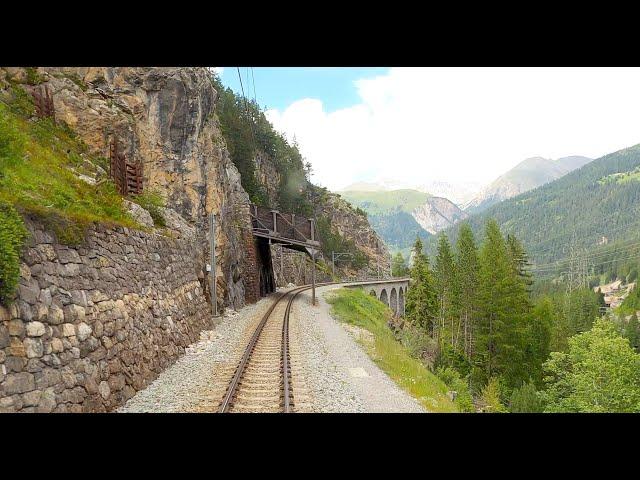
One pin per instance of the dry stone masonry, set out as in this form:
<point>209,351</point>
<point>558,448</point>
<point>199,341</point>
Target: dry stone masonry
<point>94,324</point>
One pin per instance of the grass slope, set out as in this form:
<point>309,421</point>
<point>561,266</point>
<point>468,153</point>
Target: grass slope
<point>355,307</point>
<point>36,158</point>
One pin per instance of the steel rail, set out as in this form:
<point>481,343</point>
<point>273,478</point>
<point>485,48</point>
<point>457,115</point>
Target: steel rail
<point>285,361</point>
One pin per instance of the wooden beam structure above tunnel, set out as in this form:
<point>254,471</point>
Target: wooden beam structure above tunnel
<point>288,229</point>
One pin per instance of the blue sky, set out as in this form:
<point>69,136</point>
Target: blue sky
<point>279,87</point>
<point>417,126</point>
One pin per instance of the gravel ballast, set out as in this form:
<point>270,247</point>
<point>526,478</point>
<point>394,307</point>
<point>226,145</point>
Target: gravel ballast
<point>189,385</point>
<point>336,373</point>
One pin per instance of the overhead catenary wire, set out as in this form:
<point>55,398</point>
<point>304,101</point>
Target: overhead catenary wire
<point>613,251</point>
<point>253,81</point>
<point>246,108</point>
<point>622,259</point>
<point>602,233</point>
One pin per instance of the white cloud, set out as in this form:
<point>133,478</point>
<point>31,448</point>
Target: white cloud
<point>465,124</point>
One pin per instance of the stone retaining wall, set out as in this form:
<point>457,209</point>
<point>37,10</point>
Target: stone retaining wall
<point>93,324</point>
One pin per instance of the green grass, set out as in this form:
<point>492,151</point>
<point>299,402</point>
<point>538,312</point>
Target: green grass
<point>622,177</point>
<point>36,177</point>
<point>355,307</point>
<point>377,203</point>
<point>36,158</point>
<point>153,202</point>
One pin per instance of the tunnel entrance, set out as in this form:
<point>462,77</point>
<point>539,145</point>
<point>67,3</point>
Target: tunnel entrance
<point>269,226</point>
<point>266,278</point>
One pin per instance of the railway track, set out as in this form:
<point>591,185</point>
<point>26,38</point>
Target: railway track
<point>262,380</point>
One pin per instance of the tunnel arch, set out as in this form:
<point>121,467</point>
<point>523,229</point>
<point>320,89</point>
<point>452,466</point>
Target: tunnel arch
<point>384,297</point>
<point>393,301</point>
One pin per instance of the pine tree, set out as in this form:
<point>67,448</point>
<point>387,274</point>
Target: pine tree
<point>538,337</point>
<point>467,286</point>
<point>421,297</point>
<point>445,293</point>
<point>399,266</point>
<point>502,317</point>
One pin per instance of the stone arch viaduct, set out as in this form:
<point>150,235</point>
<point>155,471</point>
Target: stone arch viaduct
<point>392,292</point>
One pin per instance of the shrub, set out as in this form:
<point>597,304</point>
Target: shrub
<point>452,378</point>
<point>526,400</point>
<point>419,343</point>
<point>491,396</point>
<point>153,202</point>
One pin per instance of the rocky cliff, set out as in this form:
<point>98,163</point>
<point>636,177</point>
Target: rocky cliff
<point>355,227</point>
<point>437,213</point>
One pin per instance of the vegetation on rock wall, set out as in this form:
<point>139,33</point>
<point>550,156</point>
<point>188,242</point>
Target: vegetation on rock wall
<point>37,163</point>
<point>332,241</point>
<point>12,236</point>
<point>153,202</point>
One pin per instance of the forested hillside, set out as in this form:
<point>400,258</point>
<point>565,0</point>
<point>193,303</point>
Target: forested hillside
<point>575,212</point>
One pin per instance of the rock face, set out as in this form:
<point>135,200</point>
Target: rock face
<point>437,213</point>
<point>94,324</point>
<point>353,226</point>
<point>164,118</point>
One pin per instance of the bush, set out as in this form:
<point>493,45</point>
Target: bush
<point>448,356</point>
<point>12,237</point>
<point>526,400</point>
<point>452,378</point>
<point>419,343</point>
<point>490,395</point>
<point>152,202</point>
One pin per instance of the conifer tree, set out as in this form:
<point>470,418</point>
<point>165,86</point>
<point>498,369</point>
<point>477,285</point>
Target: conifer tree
<point>399,266</point>
<point>445,293</point>
<point>502,310</point>
<point>632,331</point>
<point>467,286</point>
<point>421,298</point>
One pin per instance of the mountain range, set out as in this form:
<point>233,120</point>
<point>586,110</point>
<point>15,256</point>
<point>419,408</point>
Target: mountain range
<point>592,206</point>
<point>399,216</point>
<point>528,174</point>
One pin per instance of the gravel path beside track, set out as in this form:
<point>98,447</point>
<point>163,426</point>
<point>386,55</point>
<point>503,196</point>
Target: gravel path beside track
<point>339,373</point>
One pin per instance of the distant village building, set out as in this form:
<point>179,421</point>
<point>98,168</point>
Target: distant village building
<point>614,292</point>
<point>603,241</point>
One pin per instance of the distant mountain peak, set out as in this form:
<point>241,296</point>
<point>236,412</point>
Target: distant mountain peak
<point>526,175</point>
